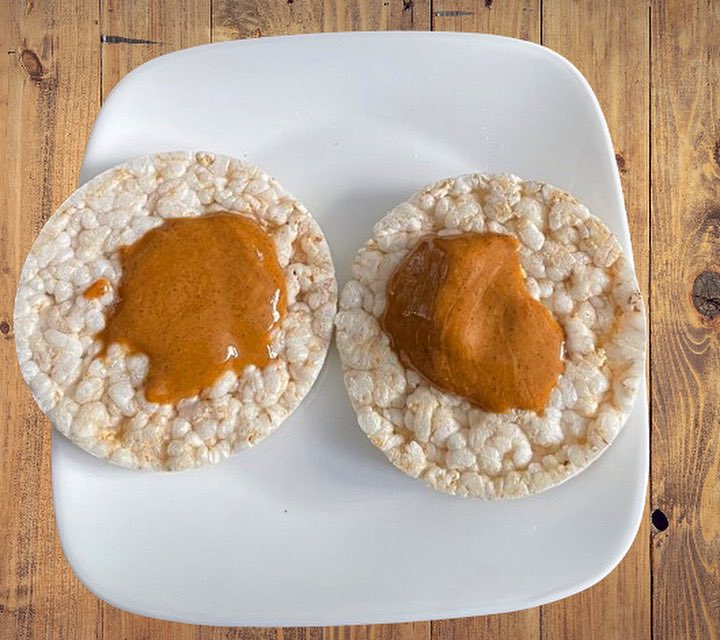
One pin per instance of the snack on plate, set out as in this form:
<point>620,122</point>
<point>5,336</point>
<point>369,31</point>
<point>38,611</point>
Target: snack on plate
<point>174,310</point>
<point>492,337</point>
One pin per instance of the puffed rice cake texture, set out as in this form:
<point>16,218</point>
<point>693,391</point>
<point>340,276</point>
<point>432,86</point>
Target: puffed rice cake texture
<point>575,267</point>
<point>99,402</point>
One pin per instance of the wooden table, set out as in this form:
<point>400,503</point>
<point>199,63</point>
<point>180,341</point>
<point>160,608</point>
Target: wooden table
<point>656,70</point>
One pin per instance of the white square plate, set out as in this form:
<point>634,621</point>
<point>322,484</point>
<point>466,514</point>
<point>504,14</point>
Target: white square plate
<point>314,526</point>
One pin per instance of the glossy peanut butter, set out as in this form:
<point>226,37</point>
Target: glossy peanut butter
<point>458,311</point>
<point>97,289</point>
<point>199,296</point>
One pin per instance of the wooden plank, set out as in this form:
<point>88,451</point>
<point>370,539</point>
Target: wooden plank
<point>144,32</point>
<point>565,28</point>
<point>685,360</point>
<point>134,32</point>
<point>254,18</point>
<point>619,606</point>
<point>49,93</point>
<point>519,625</point>
<point>519,19</point>
<point>410,631</point>
<point>623,91</point>
<point>247,19</point>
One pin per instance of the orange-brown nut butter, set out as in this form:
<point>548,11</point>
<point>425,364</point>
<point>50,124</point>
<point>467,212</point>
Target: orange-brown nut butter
<point>458,312</point>
<point>97,289</point>
<point>199,296</point>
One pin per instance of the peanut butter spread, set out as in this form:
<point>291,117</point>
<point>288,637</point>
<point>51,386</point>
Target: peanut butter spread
<point>458,312</point>
<point>97,289</point>
<point>199,296</point>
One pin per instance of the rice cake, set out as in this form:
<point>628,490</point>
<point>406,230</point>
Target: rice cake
<point>573,265</point>
<point>99,402</point>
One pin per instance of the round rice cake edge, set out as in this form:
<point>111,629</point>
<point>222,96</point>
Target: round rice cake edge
<point>99,403</point>
<point>575,266</point>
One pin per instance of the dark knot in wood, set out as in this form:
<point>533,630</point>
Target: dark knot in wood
<point>4,327</point>
<point>706,293</point>
<point>659,520</point>
<point>31,64</point>
<point>621,164</point>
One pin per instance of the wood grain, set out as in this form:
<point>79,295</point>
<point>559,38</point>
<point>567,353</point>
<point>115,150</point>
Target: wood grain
<point>254,18</point>
<point>603,610</point>
<point>144,32</point>
<point>49,97</point>
<point>519,20</point>
<point>134,32</point>
<point>655,68</point>
<point>685,360</point>
<point>619,606</point>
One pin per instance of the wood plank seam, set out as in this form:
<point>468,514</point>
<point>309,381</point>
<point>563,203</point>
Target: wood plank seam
<point>649,309</point>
